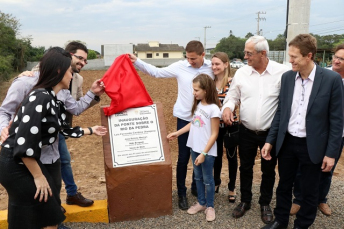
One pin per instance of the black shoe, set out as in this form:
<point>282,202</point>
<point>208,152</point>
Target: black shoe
<point>266,214</point>
<point>79,199</point>
<point>183,203</point>
<point>194,192</point>
<point>274,225</point>
<point>240,210</point>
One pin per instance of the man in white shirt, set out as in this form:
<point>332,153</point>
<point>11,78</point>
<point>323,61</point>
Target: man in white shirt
<point>184,71</point>
<point>256,88</point>
<point>306,131</point>
<point>326,177</point>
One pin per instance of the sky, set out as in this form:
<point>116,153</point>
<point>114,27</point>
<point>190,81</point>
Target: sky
<point>98,22</point>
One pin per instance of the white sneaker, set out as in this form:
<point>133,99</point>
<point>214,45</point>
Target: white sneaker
<point>196,208</point>
<point>210,214</point>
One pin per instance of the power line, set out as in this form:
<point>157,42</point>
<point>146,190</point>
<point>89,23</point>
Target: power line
<point>324,29</point>
<point>326,23</point>
<point>331,31</point>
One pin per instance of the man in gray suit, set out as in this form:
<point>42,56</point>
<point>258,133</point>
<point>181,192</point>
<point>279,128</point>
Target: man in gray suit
<point>306,130</point>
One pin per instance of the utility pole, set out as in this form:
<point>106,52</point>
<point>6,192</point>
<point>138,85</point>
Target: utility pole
<point>205,35</point>
<point>298,16</point>
<point>260,19</point>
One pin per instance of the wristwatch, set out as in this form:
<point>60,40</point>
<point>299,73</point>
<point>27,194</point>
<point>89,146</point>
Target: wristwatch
<point>204,153</point>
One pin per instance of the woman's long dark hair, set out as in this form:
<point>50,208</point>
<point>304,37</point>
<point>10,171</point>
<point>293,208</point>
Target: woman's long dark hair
<point>53,67</point>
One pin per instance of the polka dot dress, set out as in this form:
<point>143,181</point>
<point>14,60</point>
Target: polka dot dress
<point>37,124</point>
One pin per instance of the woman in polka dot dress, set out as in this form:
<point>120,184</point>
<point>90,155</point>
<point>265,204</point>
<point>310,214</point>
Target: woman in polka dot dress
<point>31,186</point>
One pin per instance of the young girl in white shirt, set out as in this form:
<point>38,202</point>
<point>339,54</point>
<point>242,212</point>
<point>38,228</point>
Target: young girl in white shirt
<point>203,131</point>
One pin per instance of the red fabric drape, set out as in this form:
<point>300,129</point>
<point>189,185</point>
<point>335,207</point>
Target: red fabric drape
<point>124,86</point>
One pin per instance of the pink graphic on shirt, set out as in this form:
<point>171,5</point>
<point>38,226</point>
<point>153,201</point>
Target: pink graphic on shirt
<point>197,121</point>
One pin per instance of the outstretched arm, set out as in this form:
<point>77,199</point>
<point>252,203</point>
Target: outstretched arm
<point>175,134</point>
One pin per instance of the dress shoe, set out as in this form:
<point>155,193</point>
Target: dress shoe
<point>325,209</point>
<point>267,215</point>
<point>194,192</point>
<point>294,209</point>
<point>183,203</point>
<point>275,225</point>
<point>78,199</point>
<point>241,209</point>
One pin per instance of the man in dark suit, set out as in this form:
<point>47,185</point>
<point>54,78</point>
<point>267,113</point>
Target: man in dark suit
<point>306,130</point>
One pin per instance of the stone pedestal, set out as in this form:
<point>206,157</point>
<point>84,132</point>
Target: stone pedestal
<point>138,191</point>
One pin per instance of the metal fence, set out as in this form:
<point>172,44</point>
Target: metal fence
<point>277,56</point>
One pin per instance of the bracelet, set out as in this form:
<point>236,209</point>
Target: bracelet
<point>204,153</point>
<point>91,131</point>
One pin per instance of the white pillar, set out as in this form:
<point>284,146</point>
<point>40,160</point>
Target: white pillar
<point>298,21</point>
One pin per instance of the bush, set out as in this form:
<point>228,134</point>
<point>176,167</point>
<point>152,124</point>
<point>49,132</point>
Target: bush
<point>91,54</point>
<point>6,67</point>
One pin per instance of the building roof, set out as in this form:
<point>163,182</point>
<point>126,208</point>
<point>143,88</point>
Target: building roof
<point>161,48</point>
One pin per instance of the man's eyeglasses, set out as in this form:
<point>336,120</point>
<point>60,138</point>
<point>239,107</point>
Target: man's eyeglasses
<point>249,53</point>
<point>81,58</point>
<point>341,59</point>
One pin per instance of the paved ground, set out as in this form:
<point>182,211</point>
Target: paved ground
<point>180,219</point>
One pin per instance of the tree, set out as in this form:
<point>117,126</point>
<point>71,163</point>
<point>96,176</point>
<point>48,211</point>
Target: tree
<point>14,52</point>
<point>9,27</point>
<point>5,67</point>
<point>248,35</point>
<point>231,45</point>
<point>10,21</point>
<point>91,54</point>
<point>278,44</point>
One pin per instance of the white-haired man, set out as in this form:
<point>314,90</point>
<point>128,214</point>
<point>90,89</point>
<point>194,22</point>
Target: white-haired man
<point>256,88</point>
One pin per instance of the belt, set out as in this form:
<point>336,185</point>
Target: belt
<point>256,132</point>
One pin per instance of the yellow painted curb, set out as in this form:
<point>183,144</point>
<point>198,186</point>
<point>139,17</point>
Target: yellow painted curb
<point>3,219</point>
<point>97,213</point>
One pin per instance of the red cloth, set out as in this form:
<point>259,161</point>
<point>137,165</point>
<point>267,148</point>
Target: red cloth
<point>124,86</point>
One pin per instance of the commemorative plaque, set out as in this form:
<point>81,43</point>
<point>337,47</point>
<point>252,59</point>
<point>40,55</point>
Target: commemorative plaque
<point>138,168</point>
<point>135,137</point>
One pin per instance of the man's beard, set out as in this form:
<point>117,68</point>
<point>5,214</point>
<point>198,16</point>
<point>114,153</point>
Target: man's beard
<point>74,68</point>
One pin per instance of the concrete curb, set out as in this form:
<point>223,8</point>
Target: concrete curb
<point>97,213</point>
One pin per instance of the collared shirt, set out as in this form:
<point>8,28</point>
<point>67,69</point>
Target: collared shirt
<point>257,94</point>
<point>19,89</point>
<point>302,91</point>
<point>184,73</point>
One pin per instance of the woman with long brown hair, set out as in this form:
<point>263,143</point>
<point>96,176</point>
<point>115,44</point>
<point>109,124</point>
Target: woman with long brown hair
<point>221,69</point>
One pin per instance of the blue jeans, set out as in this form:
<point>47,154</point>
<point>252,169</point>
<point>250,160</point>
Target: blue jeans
<point>183,160</point>
<point>204,180</point>
<point>66,167</point>
<point>324,186</point>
